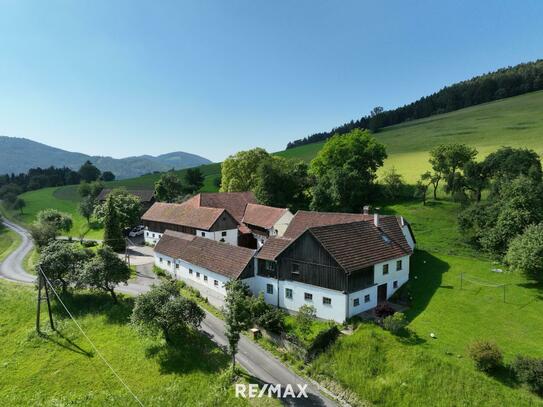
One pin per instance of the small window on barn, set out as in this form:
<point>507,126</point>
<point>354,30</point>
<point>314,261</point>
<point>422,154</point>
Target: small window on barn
<point>395,284</point>
<point>385,269</point>
<point>223,233</point>
<point>288,293</point>
<point>197,274</point>
<point>356,302</point>
<point>295,272</point>
<point>269,288</point>
<point>169,263</point>
<point>153,235</point>
<point>216,283</point>
<point>270,266</point>
<point>398,265</point>
<point>326,301</point>
<point>308,296</point>
<point>190,271</point>
<point>205,278</point>
<point>203,234</point>
<point>160,259</point>
<point>367,298</point>
<point>176,266</point>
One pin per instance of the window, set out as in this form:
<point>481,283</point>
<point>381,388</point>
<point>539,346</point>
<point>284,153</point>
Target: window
<point>153,235</point>
<point>385,269</point>
<point>147,233</point>
<point>160,259</point>
<point>269,288</point>
<point>190,271</point>
<point>223,233</point>
<point>367,298</point>
<point>288,293</point>
<point>176,266</point>
<point>215,283</point>
<point>169,263</point>
<point>326,301</point>
<point>270,266</point>
<point>295,273</point>
<point>395,284</point>
<point>398,265</point>
<point>222,240</point>
<point>308,297</point>
<point>203,234</point>
<point>356,302</point>
<point>205,278</point>
<point>197,274</point>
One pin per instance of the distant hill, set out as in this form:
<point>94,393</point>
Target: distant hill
<point>19,154</point>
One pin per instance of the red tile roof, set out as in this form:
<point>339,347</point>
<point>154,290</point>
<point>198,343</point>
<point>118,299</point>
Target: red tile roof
<point>360,244</point>
<point>233,202</point>
<point>184,215</point>
<point>273,247</point>
<point>304,220</point>
<point>221,258</point>
<point>262,215</point>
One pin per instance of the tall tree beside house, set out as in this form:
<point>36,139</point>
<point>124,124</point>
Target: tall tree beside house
<point>104,272</point>
<point>89,172</point>
<point>194,180</point>
<point>345,171</point>
<point>127,205</point>
<point>163,309</point>
<point>113,236</point>
<point>237,315</point>
<point>239,171</point>
<point>283,183</point>
<point>169,188</point>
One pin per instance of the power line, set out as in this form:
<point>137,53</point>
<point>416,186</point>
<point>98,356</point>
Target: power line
<point>88,339</point>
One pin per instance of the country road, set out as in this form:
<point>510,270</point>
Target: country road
<point>259,363</point>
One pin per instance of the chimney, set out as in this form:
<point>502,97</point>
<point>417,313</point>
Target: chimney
<point>402,221</point>
<point>366,209</point>
<point>376,217</point>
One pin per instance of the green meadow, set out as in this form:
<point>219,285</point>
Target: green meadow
<point>59,369</point>
<point>9,240</point>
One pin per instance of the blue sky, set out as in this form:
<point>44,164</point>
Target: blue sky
<point>126,78</point>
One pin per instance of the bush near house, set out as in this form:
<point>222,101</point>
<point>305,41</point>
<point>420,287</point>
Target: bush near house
<point>486,355</point>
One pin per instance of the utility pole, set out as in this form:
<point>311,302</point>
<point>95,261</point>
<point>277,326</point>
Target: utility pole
<point>42,284</point>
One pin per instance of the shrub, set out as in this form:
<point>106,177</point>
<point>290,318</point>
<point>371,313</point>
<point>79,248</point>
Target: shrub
<point>88,243</point>
<point>530,372</point>
<point>159,272</point>
<point>525,253</point>
<point>273,319</point>
<point>395,323</point>
<point>323,340</point>
<point>486,355</point>
<point>383,310</point>
<point>304,318</point>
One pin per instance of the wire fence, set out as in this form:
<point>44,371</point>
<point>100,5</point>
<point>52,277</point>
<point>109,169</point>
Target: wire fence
<point>465,278</point>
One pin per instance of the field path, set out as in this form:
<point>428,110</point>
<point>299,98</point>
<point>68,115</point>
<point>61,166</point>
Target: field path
<point>263,366</point>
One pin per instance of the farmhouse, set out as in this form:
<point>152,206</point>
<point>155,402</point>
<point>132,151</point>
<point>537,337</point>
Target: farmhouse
<point>341,263</point>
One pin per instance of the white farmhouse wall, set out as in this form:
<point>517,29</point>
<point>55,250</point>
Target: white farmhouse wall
<point>151,237</point>
<point>408,236</point>
<point>164,262</point>
<point>401,276</point>
<point>367,299</point>
<point>229,236</point>
<point>282,224</point>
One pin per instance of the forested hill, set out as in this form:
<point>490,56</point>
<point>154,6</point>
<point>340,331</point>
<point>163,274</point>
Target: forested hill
<point>503,83</point>
<point>18,155</point>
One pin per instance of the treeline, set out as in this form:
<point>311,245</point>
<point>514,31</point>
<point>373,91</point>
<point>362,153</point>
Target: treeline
<point>503,83</point>
<point>37,178</point>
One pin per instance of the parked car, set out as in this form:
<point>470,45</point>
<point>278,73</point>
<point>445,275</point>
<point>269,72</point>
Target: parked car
<point>137,231</point>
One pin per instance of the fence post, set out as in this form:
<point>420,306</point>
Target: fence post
<point>461,280</point>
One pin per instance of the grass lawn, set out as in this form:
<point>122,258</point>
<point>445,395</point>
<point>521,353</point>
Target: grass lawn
<point>9,240</point>
<point>62,369</point>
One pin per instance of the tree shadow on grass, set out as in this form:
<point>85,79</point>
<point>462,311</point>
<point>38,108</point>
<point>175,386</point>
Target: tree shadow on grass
<point>88,303</point>
<point>189,352</point>
<point>425,277</point>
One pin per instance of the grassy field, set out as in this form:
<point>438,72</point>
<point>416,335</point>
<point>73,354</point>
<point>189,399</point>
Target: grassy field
<point>9,240</point>
<point>437,371</point>
<point>62,369</point>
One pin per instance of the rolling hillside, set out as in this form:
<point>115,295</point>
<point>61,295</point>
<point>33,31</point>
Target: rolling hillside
<point>18,155</point>
<point>516,122</point>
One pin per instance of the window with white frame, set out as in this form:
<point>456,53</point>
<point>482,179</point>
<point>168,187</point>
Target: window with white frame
<point>385,269</point>
<point>269,288</point>
<point>395,284</point>
<point>223,233</point>
<point>367,298</point>
<point>308,296</point>
<point>190,271</point>
<point>356,302</point>
<point>326,301</point>
<point>160,259</point>
<point>203,234</point>
<point>398,265</point>
<point>216,283</point>
<point>205,277</point>
<point>197,274</point>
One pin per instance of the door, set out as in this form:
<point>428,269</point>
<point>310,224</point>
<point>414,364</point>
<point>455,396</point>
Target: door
<point>382,293</point>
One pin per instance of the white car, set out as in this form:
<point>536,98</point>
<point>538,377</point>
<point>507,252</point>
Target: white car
<point>137,231</point>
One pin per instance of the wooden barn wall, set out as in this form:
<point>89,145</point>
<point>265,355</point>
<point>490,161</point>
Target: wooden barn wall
<point>225,222</point>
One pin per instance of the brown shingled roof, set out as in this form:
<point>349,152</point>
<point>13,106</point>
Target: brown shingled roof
<point>304,220</point>
<point>144,195</point>
<point>358,245</point>
<point>233,202</point>
<point>262,215</point>
<point>221,258</point>
<point>184,215</point>
<point>273,247</point>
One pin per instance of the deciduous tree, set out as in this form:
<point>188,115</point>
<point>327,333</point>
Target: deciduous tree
<point>168,188</point>
<point>237,315</point>
<point>239,171</point>
<point>89,172</point>
<point>525,252</point>
<point>113,235</point>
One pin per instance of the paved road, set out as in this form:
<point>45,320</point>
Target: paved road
<point>263,366</point>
